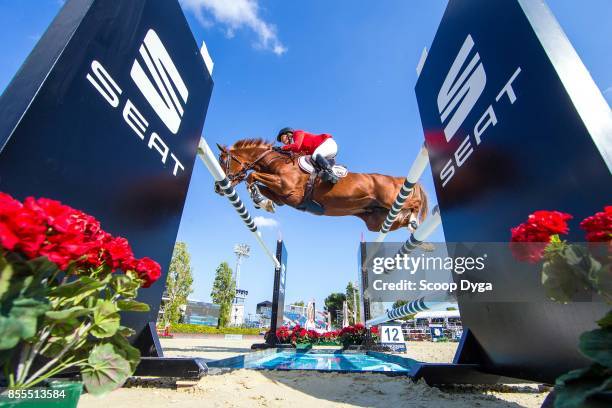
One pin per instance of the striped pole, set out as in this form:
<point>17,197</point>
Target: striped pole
<point>416,238</point>
<point>419,305</point>
<point>415,172</point>
<point>422,232</point>
<point>209,159</point>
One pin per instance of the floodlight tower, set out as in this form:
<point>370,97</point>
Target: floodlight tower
<point>242,251</point>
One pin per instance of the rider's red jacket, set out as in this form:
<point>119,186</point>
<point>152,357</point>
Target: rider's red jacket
<point>304,142</point>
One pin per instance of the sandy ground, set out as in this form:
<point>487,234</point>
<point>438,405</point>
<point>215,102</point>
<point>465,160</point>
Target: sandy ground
<point>249,388</point>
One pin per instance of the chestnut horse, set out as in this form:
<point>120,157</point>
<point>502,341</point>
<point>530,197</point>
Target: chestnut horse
<point>279,178</point>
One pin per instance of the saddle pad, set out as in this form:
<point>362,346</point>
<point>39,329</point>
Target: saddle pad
<point>305,164</point>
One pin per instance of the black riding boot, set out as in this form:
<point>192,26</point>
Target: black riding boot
<point>327,174</point>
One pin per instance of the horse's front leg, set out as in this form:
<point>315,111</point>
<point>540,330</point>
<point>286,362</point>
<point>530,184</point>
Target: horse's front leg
<point>255,191</point>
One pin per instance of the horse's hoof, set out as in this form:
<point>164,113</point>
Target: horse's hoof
<point>268,205</point>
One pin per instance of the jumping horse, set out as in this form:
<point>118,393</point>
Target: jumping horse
<point>277,175</point>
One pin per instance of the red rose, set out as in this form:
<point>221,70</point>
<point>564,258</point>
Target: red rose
<point>598,226</point>
<point>147,269</point>
<point>30,229</point>
<point>8,239</point>
<point>528,240</point>
<point>8,204</point>
<point>552,222</point>
<point>374,329</point>
<point>118,252</point>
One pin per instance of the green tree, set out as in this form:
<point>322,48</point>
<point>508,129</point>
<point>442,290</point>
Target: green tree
<point>352,299</point>
<point>223,292</point>
<point>333,303</point>
<point>178,283</point>
<point>400,303</point>
<point>299,303</point>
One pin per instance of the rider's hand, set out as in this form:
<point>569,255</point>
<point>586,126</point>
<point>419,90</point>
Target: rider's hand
<point>277,149</point>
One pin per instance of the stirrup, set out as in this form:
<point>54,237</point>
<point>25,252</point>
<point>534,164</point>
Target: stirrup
<point>329,177</point>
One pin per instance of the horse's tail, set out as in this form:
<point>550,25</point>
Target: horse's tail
<point>418,203</point>
<point>421,195</point>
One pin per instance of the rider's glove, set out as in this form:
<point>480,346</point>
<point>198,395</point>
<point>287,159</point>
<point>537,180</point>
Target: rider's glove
<point>277,149</point>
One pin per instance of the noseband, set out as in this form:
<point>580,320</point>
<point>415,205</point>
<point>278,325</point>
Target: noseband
<point>245,167</point>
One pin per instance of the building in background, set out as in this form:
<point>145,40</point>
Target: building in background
<point>204,313</point>
<point>263,312</point>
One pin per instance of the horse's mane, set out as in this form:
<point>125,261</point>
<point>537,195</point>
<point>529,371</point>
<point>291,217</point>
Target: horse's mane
<point>247,143</point>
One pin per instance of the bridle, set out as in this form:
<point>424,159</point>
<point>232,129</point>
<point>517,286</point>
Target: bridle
<point>245,167</point>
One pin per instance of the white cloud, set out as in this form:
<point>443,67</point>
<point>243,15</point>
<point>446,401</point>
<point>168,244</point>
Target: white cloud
<point>264,222</point>
<point>236,14</point>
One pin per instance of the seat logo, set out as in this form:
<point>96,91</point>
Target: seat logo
<point>461,89</point>
<point>161,84</point>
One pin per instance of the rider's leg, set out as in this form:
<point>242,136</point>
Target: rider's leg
<point>321,156</point>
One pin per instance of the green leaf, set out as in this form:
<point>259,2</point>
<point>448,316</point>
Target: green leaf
<point>106,370</point>
<point>65,328</point>
<point>6,273</point>
<point>78,289</point>
<point>126,331</point>
<point>132,306</point>
<point>126,350</point>
<point>606,321</point>
<point>70,313</point>
<point>574,389</point>
<point>106,319</point>
<point>125,285</point>
<point>597,345</point>
<point>27,311</point>
<point>11,332</point>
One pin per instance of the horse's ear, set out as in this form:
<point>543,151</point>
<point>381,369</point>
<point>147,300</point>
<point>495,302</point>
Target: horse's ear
<point>221,148</point>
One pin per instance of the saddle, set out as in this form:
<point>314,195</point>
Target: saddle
<point>307,165</point>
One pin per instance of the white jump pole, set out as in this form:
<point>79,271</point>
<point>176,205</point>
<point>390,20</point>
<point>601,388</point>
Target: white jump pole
<point>209,159</point>
<point>409,308</point>
<point>414,174</point>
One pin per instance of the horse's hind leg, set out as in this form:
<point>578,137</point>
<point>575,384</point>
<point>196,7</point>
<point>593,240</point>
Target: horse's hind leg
<point>373,218</point>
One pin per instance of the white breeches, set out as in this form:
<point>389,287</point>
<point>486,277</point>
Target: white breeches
<point>327,149</point>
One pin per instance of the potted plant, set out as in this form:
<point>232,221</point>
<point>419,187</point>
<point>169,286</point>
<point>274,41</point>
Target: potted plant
<point>355,335</point>
<point>571,272</point>
<point>302,338</point>
<point>63,283</point>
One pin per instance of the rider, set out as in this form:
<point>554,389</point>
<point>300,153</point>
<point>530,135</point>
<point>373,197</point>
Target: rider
<point>322,149</point>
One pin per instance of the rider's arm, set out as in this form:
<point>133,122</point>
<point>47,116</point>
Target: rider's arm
<point>296,146</point>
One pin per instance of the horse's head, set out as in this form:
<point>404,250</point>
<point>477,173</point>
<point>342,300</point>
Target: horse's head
<point>238,159</point>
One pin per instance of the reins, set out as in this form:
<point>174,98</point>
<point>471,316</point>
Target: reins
<point>245,167</point>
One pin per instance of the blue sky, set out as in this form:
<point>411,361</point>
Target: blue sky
<point>343,67</point>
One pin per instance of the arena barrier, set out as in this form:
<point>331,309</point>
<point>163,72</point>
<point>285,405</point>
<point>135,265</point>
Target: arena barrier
<point>212,164</point>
